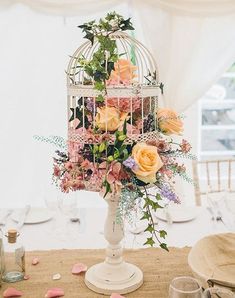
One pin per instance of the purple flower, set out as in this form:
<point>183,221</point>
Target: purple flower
<point>130,163</point>
<point>169,194</point>
<point>90,104</point>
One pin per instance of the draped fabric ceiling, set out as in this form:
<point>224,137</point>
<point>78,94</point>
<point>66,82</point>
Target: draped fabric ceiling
<point>193,41</point>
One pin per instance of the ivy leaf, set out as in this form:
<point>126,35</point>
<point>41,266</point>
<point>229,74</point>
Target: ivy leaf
<point>145,216</point>
<point>108,188</point>
<point>158,197</point>
<point>90,36</point>
<point>150,241</point>
<point>99,98</point>
<point>162,234</point>
<point>110,67</point>
<point>99,86</point>
<point>149,229</point>
<point>72,116</point>
<point>164,246</point>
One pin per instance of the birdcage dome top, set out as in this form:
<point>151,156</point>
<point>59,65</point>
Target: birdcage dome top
<point>133,57</point>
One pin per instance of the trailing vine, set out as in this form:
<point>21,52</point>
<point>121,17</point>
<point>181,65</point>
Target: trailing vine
<point>102,62</point>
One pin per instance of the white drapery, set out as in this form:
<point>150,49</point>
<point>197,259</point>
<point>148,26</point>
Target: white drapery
<point>80,7</point>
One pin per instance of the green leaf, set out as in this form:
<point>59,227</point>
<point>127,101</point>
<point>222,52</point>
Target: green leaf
<point>99,98</point>
<point>110,158</point>
<point>149,229</point>
<point>163,234</point>
<point>102,147</point>
<point>99,86</point>
<point>150,241</point>
<point>158,197</point>
<point>121,138</point>
<point>164,246</point>
<point>145,216</point>
<point>116,153</point>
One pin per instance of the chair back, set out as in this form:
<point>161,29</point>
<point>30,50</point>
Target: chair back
<point>213,176</point>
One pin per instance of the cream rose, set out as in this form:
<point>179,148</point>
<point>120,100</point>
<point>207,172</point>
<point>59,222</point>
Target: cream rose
<point>109,118</point>
<point>148,162</point>
<point>169,122</point>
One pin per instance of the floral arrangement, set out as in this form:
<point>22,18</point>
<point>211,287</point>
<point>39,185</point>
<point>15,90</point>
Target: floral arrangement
<point>105,159</point>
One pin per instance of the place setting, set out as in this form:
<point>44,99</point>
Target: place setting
<point>137,202</point>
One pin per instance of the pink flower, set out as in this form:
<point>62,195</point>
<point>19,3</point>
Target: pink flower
<point>185,146</point>
<point>113,172</point>
<point>124,104</point>
<point>68,166</point>
<point>132,129</point>
<point>87,165</point>
<point>64,186</point>
<point>56,171</point>
<point>76,184</point>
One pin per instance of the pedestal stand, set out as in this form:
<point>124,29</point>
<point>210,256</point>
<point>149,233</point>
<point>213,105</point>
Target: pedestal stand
<point>114,275</point>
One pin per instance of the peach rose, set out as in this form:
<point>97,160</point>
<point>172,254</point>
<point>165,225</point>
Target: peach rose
<point>169,122</point>
<point>148,162</point>
<point>123,71</point>
<point>109,118</point>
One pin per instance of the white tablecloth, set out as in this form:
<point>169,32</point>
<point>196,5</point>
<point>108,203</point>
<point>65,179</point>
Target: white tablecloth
<point>60,233</point>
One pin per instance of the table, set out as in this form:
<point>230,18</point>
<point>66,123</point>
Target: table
<point>159,268</point>
<point>58,235</point>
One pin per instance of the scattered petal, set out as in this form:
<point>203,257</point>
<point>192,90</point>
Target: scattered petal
<point>56,276</point>
<point>54,293</point>
<point>116,295</point>
<point>26,277</point>
<point>12,292</point>
<point>35,261</point>
<point>78,268</point>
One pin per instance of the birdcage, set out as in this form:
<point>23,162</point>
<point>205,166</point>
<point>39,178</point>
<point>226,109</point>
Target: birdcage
<point>131,95</point>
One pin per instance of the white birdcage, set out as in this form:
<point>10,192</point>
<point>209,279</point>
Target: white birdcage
<point>138,96</point>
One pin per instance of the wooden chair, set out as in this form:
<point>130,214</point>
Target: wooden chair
<point>219,176</point>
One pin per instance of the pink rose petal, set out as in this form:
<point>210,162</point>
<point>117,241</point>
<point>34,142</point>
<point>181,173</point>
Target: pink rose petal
<point>12,292</point>
<point>54,293</point>
<point>35,261</point>
<point>115,295</point>
<point>26,277</point>
<point>78,268</point>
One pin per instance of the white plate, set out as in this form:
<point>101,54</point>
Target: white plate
<point>177,213</point>
<point>35,215</point>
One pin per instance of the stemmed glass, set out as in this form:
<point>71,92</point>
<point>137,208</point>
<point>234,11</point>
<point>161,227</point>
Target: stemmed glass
<point>185,287</point>
<point>69,213</point>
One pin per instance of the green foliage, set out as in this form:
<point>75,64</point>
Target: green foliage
<point>101,65</point>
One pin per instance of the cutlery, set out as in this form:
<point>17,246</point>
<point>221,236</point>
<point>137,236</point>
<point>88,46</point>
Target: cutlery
<point>23,216</point>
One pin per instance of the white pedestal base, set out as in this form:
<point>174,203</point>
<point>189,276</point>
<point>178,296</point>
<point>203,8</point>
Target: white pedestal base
<point>120,278</point>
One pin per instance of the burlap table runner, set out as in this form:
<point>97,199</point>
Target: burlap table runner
<point>159,269</point>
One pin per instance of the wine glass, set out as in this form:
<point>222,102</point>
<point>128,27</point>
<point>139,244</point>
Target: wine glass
<point>218,292</point>
<point>69,213</point>
<point>185,287</point>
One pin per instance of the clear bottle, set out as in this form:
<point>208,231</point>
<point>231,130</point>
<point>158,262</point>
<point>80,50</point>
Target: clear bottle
<point>14,259</point>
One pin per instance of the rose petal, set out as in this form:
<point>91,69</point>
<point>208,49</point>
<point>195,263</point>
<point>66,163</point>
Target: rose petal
<point>54,293</point>
<point>12,292</point>
<point>115,295</point>
<point>78,268</point>
<point>26,277</point>
<point>35,261</point>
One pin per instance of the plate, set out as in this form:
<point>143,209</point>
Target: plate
<point>212,260</point>
<point>177,213</point>
<point>35,215</point>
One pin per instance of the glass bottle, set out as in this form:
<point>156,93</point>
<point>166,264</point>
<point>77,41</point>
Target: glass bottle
<point>14,259</point>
